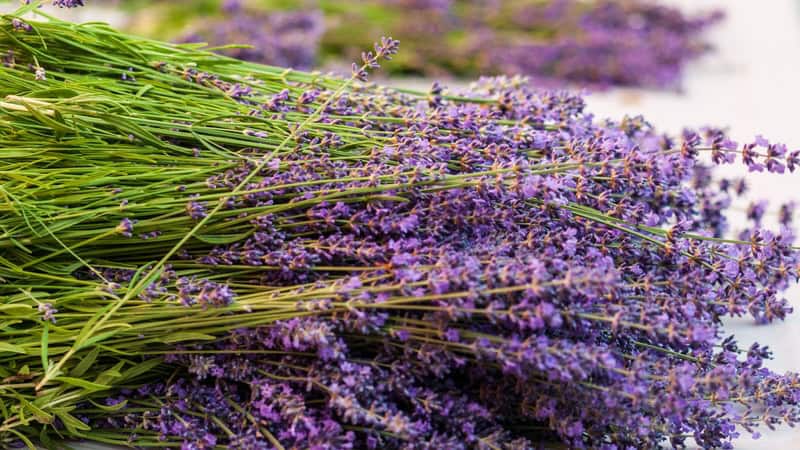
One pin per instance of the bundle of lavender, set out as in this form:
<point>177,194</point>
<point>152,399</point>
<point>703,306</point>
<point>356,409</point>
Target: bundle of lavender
<point>597,43</point>
<point>200,252</point>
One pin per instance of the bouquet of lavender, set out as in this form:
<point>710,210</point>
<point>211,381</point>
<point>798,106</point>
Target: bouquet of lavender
<point>599,43</point>
<point>200,252</point>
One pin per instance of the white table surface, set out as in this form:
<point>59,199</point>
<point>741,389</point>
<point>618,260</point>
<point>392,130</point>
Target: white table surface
<point>750,84</point>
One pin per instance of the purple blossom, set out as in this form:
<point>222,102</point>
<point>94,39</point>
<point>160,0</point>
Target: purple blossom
<point>40,74</point>
<point>20,25</point>
<point>68,3</point>
<point>125,227</point>
<point>203,292</point>
<point>196,210</point>
<point>48,312</point>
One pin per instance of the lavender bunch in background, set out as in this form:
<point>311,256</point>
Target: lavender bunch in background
<point>607,43</point>
<point>281,38</point>
<point>598,43</point>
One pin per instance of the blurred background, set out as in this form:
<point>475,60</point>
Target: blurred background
<point>746,83</point>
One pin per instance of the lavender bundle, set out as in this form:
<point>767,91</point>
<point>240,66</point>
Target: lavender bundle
<point>200,252</point>
<point>282,38</point>
<point>597,43</point>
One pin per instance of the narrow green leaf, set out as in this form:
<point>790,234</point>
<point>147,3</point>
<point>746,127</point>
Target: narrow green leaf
<point>26,8</point>
<point>132,128</point>
<point>19,245</point>
<point>110,374</point>
<point>15,309</point>
<point>388,198</point>
<point>87,328</point>
<point>45,343</point>
<point>186,336</point>
<point>8,324</point>
<point>86,363</point>
<point>23,438</point>
<point>141,368</point>
<point>78,382</point>
<point>55,93</point>
<point>57,126</point>
<point>72,424</point>
<point>102,336</point>
<point>37,412</point>
<point>221,239</point>
<point>6,347</point>
<point>143,90</point>
<point>44,439</point>
<point>111,408</point>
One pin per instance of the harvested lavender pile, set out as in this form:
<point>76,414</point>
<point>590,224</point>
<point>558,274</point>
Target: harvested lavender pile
<point>283,38</point>
<point>597,43</point>
<point>200,252</point>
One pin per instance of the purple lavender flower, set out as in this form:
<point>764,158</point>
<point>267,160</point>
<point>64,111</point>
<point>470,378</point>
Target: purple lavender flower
<point>125,227</point>
<point>196,210</point>
<point>20,25</point>
<point>68,3</point>
<point>48,312</point>
<point>40,74</point>
<point>203,292</point>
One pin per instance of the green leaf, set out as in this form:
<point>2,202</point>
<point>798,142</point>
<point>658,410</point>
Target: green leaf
<point>12,154</point>
<point>55,93</point>
<point>23,438</point>
<point>388,198</point>
<point>141,368</point>
<point>5,347</point>
<point>86,363</point>
<point>101,337</point>
<point>20,245</point>
<point>45,340</point>
<point>44,439</point>
<point>84,340</point>
<point>57,126</point>
<point>88,385</point>
<point>143,90</point>
<point>129,127</point>
<point>186,336</point>
<point>112,408</point>
<point>15,309</point>
<point>87,327</point>
<point>72,424</point>
<point>25,9</point>
<point>6,324</point>
<point>222,238</point>
<point>37,412</point>
<point>110,374</point>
